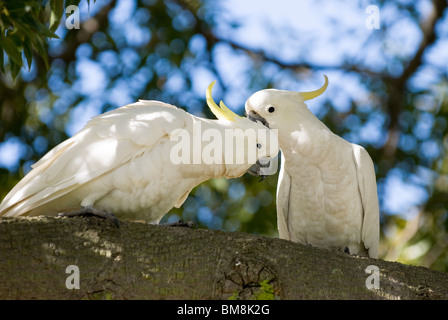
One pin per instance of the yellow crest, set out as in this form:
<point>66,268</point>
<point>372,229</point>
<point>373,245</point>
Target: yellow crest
<point>221,112</point>
<point>316,93</point>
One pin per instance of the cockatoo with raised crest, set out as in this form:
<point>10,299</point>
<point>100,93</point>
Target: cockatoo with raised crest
<point>327,193</point>
<point>138,162</point>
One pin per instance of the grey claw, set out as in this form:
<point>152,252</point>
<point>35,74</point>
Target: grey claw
<point>181,223</point>
<point>257,168</point>
<point>91,211</point>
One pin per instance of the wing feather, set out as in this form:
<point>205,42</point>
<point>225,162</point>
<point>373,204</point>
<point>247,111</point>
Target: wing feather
<point>105,143</point>
<point>283,198</point>
<point>369,197</point>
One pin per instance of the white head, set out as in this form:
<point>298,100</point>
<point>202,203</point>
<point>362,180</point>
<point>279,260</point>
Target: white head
<point>259,142</point>
<point>274,108</point>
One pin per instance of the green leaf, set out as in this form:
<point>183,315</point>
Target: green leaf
<point>28,53</point>
<point>25,31</point>
<point>11,50</point>
<point>2,69</point>
<point>72,2</point>
<point>42,29</point>
<point>15,69</point>
<point>57,10</point>
<point>40,46</point>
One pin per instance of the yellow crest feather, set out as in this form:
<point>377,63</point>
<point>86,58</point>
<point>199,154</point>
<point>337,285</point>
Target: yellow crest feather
<point>313,94</point>
<point>221,112</point>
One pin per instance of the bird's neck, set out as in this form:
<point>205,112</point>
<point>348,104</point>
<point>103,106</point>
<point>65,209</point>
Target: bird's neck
<point>214,151</point>
<point>305,136</point>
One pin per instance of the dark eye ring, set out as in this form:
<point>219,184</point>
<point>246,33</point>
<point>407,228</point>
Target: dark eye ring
<point>258,145</point>
<point>271,109</point>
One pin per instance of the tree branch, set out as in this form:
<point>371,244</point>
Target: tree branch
<point>141,261</point>
<point>397,86</point>
<point>298,67</point>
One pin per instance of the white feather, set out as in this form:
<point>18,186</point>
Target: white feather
<point>119,163</point>
<point>283,192</point>
<point>326,193</point>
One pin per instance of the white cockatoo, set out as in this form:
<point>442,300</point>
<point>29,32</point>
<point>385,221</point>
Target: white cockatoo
<point>138,162</point>
<point>326,194</point>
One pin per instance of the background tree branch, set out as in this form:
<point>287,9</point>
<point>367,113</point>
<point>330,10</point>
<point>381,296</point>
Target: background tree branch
<point>396,98</point>
<point>141,261</point>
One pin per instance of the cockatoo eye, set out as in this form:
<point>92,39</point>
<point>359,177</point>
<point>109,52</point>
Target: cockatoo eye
<point>259,145</point>
<point>270,109</point>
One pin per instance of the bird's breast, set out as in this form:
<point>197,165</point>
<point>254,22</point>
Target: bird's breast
<point>325,206</point>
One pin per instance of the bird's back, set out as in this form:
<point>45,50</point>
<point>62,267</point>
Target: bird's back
<point>107,142</point>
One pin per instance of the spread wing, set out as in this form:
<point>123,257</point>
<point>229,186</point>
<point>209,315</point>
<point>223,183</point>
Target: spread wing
<point>369,198</point>
<point>105,143</point>
<point>283,196</point>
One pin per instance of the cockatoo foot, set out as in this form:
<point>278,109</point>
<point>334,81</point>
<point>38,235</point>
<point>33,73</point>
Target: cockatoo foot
<point>257,168</point>
<point>181,223</point>
<point>91,211</point>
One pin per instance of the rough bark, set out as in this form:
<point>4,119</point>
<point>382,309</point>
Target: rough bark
<point>141,261</point>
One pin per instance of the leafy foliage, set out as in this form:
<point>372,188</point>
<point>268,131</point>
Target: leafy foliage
<point>25,26</point>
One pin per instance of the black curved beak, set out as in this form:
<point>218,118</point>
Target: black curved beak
<point>253,116</point>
